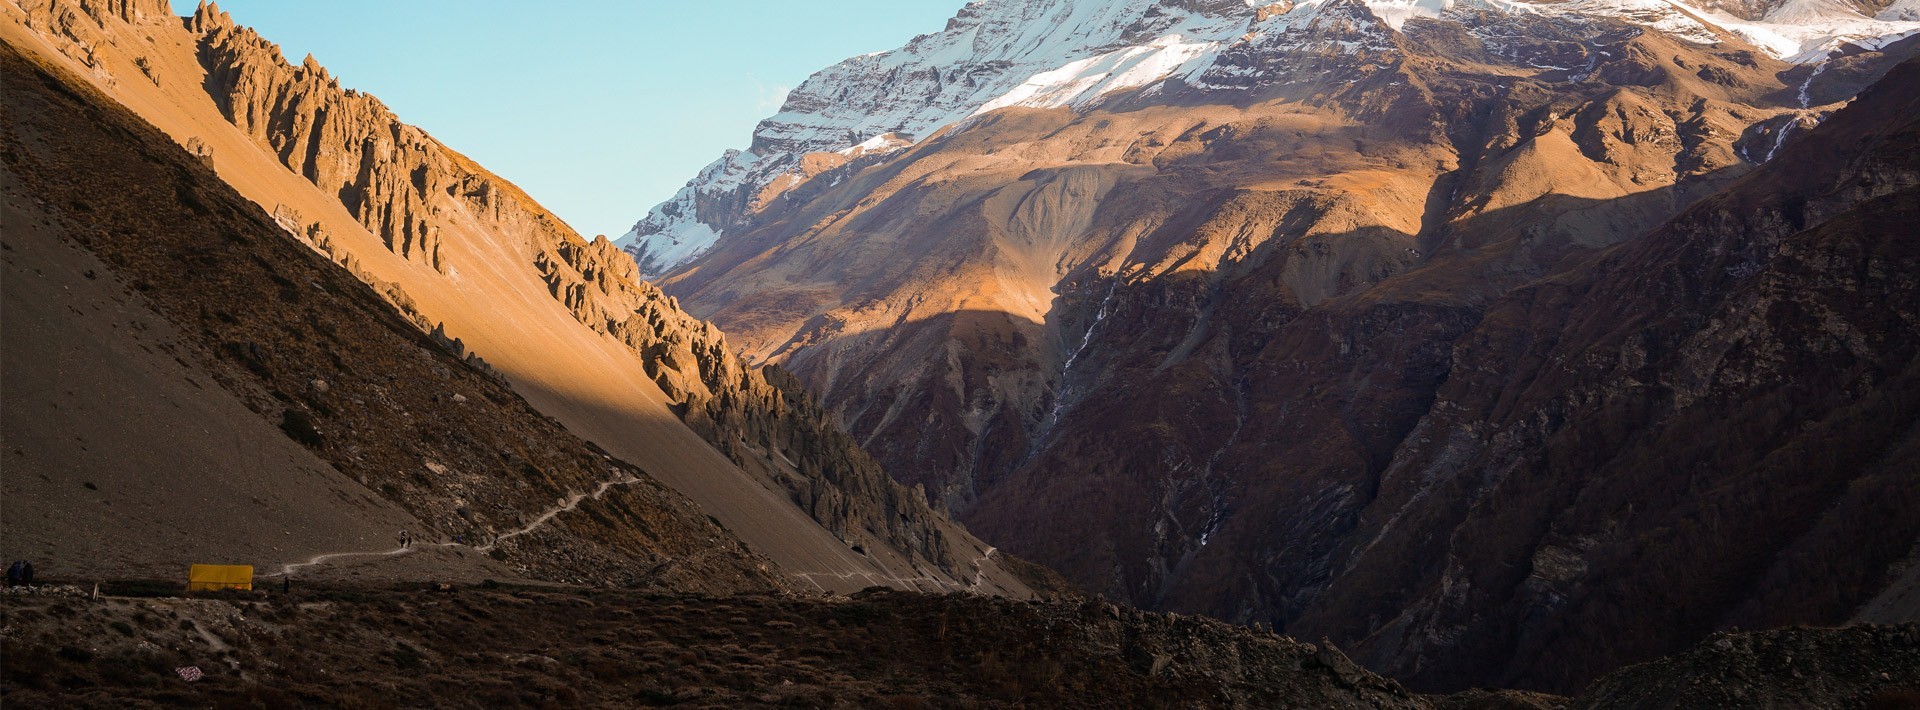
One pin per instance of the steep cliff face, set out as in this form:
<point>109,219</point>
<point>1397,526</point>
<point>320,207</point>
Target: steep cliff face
<point>391,176</point>
<point>464,253</point>
<point>1171,340</point>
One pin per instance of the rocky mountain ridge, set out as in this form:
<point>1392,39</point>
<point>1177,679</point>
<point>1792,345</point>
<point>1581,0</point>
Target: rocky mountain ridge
<point>1054,53</point>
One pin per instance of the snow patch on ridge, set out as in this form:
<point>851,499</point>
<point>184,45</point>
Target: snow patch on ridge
<point>1396,12</point>
<point>992,50</point>
<point>1080,82</point>
<point>1185,47</point>
<point>1804,31</point>
<point>883,143</point>
<point>672,233</point>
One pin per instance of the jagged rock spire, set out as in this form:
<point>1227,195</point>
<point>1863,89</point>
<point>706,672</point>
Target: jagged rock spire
<point>208,16</point>
<point>312,66</point>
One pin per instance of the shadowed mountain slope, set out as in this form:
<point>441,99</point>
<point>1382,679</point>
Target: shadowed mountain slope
<point>1710,425</point>
<point>1191,344</point>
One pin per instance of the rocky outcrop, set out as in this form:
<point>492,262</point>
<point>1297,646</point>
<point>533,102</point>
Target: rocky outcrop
<point>133,12</point>
<point>76,26</point>
<point>393,177</point>
<point>760,417</point>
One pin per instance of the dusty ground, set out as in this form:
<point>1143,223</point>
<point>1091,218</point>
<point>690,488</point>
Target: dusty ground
<point>479,646</point>
<point>1874,666</point>
<point>490,646</point>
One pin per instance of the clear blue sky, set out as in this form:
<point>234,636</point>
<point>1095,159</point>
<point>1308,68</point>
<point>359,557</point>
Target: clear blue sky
<point>598,108</point>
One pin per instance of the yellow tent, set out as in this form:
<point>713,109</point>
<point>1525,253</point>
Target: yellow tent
<point>209,578</point>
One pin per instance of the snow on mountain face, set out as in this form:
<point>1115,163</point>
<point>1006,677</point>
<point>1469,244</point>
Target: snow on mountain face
<point>995,52</point>
<point>1000,52</point>
<point>1071,53</point>
<point>673,233</point>
<point>1802,31</point>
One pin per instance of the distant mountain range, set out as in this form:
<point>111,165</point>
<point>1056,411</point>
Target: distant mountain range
<point>1055,53</point>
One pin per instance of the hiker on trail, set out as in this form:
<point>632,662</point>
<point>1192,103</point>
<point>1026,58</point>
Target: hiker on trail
<point>406,540</point>
<point>15,572</point>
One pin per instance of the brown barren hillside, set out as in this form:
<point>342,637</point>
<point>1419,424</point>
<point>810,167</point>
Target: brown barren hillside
<point>466,255</point>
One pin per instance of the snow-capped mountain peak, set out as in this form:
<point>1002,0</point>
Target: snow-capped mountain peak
<point>995,54</point>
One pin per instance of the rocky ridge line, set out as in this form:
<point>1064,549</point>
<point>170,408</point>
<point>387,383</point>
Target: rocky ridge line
<point>1060,53</point>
